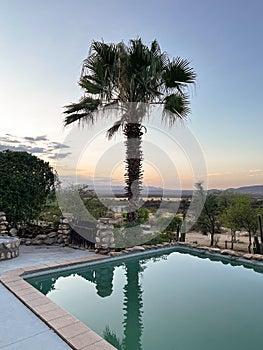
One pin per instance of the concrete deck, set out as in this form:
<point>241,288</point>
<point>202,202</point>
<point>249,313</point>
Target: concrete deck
<point>20,328</point>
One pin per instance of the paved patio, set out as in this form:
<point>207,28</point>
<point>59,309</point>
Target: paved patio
<point>21,329</point>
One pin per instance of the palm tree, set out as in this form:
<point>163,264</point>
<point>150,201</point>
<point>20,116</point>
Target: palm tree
<point>131,78</point>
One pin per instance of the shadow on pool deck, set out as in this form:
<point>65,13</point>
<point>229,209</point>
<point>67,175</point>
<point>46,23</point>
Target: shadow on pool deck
<point>20,329</point>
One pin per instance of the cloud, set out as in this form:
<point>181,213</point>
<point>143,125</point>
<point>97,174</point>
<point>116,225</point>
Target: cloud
<point>37,150</point>
<point>58,145</point>
<point>36,139</point>
<point>19,148</point>
<point>41,138</point>
<point>255,172</point>
<point>59,155</point>
<point>220,174</point>
<point>7,139</point>
<point>28,138</point>
<point>39,145</point>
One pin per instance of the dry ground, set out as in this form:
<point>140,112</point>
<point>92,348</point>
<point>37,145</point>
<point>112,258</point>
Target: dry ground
<point>219,240</point>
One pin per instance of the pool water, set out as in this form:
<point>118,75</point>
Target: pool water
<point>168,301</point>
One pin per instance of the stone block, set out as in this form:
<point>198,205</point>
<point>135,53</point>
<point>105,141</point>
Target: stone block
<point>50,241</point>
<point>13,232</point>
<point>52,234</point>
<point>42,236</point>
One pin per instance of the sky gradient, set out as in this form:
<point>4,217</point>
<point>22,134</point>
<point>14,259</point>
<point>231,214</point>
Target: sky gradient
<point>43,44</point>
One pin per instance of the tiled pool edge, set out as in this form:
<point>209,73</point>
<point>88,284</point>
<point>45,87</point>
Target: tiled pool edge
<point>76,334</point>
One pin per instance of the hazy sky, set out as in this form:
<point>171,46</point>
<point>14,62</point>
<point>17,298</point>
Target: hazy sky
<point>43,44</point>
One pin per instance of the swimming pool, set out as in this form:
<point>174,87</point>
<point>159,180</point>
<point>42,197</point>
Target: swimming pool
<point>169,301</point>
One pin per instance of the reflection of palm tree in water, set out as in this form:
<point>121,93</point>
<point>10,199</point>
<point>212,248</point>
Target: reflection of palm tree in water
<point>104,278</point>
<point>132,311</point>
<point>132,307</point>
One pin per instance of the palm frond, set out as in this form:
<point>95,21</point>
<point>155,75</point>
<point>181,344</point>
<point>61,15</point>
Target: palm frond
<point>112,338</point>
<point>100,67</point>
<point>89,86</point>
<point>83,110</point>
<point>120,73</point>
<point>179,74</point>
<point>79,117</point>
<point>114,129</point>
<point>176,106</point>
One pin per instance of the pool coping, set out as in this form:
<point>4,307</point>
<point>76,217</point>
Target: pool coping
<point>75,333</point>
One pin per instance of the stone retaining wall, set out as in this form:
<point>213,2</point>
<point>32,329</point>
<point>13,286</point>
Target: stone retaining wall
<point>59,236</point>
<point>104,236</point>
<point>3,224</point>
<point>9,247</point>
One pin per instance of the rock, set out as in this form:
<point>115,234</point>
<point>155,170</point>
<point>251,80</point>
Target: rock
<point>230,252</point>
<point>52,234</point>
<point>248,256</point>
<point>226,252</point>
<point>257,257</point>
<point>214,250</point>
<point>37,241</point>
<point>115,253</point>
<point>42,236</point>
<point>13,232</point>
<point>28,242</point>
<point>49,241</point>
<point>64,227</point>
<point>137,248</point>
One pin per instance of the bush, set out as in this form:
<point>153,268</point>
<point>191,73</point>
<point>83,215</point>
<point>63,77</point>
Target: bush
<point>25,184</point>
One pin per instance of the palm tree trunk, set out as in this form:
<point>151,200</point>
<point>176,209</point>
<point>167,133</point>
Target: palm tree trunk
<point>133,174</point>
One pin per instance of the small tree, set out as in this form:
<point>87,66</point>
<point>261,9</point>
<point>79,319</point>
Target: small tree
<point>25,184</point>
<point>209,220</point>
<point>241,215</point>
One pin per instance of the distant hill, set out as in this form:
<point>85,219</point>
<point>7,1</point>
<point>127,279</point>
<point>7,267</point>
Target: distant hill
<point>151,191</point>
<point>256,191</point>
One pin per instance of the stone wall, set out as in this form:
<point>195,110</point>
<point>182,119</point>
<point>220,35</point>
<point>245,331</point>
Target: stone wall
<point>104,236</point>
<point>61,236</point>
<point>3,224</point>
<point>9,247</point>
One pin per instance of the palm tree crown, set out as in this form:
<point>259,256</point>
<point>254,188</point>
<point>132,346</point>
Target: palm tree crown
<point>130,78</point>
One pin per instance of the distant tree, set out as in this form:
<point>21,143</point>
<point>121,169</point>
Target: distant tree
<point>225,199</point>
<point>92,202</point>
<point>169,224</point>
<point>143,214</point>
<point>241,215</point>
<point>209,220</point>
<point>25,184</point>
<point>82,202</point>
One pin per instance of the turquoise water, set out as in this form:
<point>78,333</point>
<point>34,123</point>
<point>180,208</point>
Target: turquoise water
<point>169,301</point>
